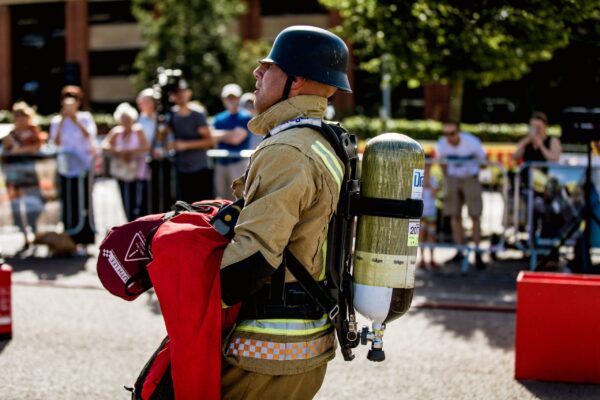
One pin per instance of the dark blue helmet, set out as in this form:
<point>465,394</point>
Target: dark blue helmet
<point>312,53</point>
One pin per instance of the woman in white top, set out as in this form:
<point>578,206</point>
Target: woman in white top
<point>128,146</point>
<point>74,132</point>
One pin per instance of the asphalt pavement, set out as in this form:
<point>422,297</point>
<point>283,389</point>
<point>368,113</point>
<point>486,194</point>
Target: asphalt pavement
<point>73,340</point>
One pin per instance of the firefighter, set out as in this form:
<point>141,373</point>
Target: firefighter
<point>282,341</point>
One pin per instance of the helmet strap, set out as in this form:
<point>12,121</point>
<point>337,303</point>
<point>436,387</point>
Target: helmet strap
<point>288,86</point>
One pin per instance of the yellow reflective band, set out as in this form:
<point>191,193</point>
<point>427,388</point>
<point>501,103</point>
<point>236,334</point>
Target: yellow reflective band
<point>223,305</point>
<point>286,327</point>
<point>330,162</point>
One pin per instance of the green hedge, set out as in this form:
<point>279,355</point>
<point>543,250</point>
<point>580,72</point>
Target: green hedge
<point>43,121</point>
<point>367,128</point>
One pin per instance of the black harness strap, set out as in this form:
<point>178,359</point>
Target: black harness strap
<point>288,86</point>
<point>409,208</point>
<point>317,292</point>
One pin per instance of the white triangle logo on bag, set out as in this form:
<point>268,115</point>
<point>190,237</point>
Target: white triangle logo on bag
<point>137,249</point>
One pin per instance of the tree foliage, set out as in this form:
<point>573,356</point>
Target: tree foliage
<point>450,40</point>
<point>192,35</point>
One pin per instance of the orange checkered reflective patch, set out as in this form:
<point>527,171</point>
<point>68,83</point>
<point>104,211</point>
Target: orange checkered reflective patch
<point>265,350</point>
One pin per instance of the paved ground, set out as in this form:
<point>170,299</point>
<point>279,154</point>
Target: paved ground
<point>72,340</point>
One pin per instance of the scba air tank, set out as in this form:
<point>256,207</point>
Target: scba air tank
<point>385,255</point>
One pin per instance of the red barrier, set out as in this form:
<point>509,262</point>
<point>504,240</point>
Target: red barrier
<point>5,304</point>
<point>558,327</point>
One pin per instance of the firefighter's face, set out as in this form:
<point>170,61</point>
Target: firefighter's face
<point>270,81</point>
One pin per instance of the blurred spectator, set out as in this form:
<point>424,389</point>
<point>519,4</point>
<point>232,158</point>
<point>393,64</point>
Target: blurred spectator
<point>128,146</point>
<point>428,220</point>
<point>160,192</point>
<point>463,152</point>
<point>191,140</point>
<point>19,170</point>
<point>25,138</point>
<point>247,103</point>
<point>538,146</point>
<point>148,118</point>
<point>74,132</point>
<point>234,137</point>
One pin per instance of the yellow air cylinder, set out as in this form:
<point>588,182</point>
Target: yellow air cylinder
<point>386,248</point>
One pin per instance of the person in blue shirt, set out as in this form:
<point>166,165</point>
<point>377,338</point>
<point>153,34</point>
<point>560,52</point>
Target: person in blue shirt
<point>232,135</point>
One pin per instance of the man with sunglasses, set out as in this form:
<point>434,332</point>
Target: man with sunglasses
<point>462,151</point>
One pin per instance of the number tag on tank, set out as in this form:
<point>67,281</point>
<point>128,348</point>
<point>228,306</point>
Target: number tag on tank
<point>414,226</point>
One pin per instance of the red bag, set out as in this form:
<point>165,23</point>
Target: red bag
<point>180,257</point>
<point>185,272</point>
<point>125,252</point>
<point>190,301</point>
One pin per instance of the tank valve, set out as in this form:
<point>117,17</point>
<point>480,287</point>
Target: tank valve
<point>375,336</point>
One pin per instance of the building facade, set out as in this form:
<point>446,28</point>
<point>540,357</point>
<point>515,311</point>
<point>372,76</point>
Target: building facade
<point>93,43</point>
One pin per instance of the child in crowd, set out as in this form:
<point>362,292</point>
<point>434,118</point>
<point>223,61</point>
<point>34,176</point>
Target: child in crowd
<point>427,232</point>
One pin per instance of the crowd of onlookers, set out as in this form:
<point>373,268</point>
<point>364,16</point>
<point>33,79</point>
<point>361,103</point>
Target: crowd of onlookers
<point>462,155</point>
<point>149,154</point>
<point>141,145</point>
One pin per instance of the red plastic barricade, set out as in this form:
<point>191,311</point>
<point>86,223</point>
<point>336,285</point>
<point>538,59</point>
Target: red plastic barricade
<point>558,326</point>
<point>5,306</point>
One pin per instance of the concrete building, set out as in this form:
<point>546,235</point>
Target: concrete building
<point>46,44</point>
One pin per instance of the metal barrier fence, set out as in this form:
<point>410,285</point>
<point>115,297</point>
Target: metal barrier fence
<point>30,192</point>
<point>37,203</point>
<point>494,218</point>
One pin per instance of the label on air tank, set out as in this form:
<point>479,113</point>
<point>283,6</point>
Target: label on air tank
<point>414,226</point>
<point>386,270</point>
<point>417,184</point>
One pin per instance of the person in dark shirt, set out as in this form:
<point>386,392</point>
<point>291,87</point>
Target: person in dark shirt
<point>538,146</point>
<point>234,122</point>
<point>191,139</point>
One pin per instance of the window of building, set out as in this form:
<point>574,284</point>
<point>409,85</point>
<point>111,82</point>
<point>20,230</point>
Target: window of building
<point>278,7</point>
<point>38,54</point>
<point>110,11</point>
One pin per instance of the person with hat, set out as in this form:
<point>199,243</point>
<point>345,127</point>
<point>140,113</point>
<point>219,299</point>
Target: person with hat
<point>247,103</point>
<point>233,121</point>
<point>191,139</point>
<point>24,140</point>
<point>282,341</point>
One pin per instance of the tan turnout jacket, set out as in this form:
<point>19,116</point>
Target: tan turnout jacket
<point>291,192</point>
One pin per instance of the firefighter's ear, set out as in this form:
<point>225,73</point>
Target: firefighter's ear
<point>299,83</point>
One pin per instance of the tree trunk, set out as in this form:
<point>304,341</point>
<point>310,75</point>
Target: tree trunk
<point>456,96</point>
